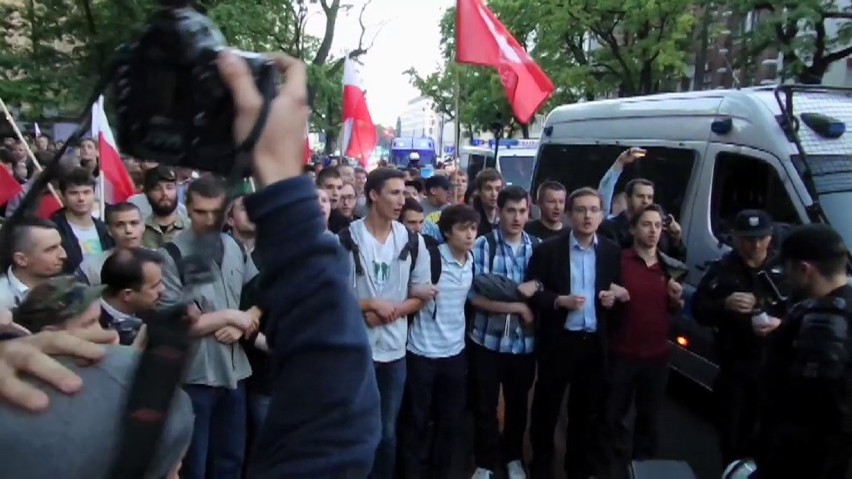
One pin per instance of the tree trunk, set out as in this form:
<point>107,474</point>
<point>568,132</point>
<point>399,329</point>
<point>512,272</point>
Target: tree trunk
<point>812,75</point>
<point>701,54</point>
<point>328,35</point>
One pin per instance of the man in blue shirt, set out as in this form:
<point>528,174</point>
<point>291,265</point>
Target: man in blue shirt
<point>577,277</point>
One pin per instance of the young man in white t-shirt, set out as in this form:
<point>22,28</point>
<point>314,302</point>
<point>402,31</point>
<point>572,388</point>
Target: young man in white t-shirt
<point>83,235</point>
<point>381,251</point>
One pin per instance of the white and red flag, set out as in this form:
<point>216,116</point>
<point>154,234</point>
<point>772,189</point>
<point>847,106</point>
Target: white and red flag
<point>118,186</point>
<point>359,132</point>
<point>482,40</point>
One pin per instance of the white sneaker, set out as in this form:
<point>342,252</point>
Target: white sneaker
<point>482,474</point>
<point>516,470</point>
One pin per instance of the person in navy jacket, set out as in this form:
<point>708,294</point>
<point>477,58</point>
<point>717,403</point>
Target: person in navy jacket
<point>323,420</point>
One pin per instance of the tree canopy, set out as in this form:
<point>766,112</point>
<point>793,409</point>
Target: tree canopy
<point>52,51</point>
<point>601,48</point>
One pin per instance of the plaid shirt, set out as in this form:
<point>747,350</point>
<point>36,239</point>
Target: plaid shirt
<point>504,333</point>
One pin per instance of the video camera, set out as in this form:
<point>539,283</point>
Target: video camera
<point>173,106</point>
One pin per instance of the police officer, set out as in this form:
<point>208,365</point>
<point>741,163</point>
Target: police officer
<point>806,415</point>
<point>726,299</point>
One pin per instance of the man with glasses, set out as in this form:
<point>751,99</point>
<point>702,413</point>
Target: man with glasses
<point>576,280</point>
<point>344,214</point>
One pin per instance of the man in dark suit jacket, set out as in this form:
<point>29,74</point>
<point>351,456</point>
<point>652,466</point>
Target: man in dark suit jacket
<point>576,279</point>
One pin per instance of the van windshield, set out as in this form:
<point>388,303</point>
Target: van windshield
<point>832,180</point>
<point>517,170</point>
<point>836,207</point>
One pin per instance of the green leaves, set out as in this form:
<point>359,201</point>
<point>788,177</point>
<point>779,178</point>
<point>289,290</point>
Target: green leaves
<point>52,51</point>
<point>811,34</point>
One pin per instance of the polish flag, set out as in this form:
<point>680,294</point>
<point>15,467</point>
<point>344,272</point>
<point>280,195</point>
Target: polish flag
<point>117,183</point>
<point>48,206</point>
<point>482,40</point>
<point>308,151</point>
<point>359,132</point>
<point>9,186</point>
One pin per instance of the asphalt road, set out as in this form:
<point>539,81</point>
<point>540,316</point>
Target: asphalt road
<point>687,433</point>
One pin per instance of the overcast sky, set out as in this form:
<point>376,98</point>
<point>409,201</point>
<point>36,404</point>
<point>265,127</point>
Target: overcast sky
<point>409,38</point>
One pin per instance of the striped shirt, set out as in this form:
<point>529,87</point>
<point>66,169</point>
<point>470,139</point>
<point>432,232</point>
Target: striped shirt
<point>438,330</point>
<point>504,333</point>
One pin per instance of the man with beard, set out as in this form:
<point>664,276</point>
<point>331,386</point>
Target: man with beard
<point>165,220</point>
<point>342,216</point>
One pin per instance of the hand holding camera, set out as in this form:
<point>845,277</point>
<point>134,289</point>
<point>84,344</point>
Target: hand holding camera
<point>279,151</point>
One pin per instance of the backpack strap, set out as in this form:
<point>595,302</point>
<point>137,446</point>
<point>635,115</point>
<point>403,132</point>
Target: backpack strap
<point>345,237</point>
<point>158,375</point>
<point>412,246</point>
<point>492,250</point>
<point>434,257</point>
<point>240,244</point>
<point>173,251</point>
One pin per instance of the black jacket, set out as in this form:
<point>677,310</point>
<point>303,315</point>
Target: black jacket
<point>324,418</point>
<point>739,349</point>
<point>70,243</point>
<point>485,226</point>
<point>618,230</point>
<point>551,265</point>
<point>805,417</point>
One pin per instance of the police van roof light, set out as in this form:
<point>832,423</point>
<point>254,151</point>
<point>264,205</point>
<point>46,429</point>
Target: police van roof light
<point>823,125</point>
<point>722,126</point>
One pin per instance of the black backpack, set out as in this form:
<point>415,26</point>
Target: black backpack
<point>412,247</point>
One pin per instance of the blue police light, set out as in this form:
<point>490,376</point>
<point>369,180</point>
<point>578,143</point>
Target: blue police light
<point>824,125</point>
<point>722,126</point>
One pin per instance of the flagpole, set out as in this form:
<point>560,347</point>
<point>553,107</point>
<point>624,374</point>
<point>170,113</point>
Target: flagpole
<point>30,153</point>
<point>457,125</point>
<point>102,199</point>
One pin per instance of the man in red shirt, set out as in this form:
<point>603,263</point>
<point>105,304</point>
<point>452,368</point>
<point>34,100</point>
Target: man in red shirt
<point>639,349</point>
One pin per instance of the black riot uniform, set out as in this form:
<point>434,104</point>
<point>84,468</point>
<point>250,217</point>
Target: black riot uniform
<point>739,349</point>
<point>806,410</point>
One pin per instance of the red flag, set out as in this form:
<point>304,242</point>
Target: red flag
<point>482,40</point>
<point>48,206</point>
<point>307,151</point>
<point>9,186</point>
<point>117,182</point>
<point>359,132</point>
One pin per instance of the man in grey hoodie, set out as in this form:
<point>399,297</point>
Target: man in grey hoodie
<point>382,274</point>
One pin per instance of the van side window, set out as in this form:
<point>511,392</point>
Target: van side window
<point>742,182</point>
<point>576,166</point>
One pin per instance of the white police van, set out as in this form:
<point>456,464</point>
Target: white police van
<point>711,154</point>
<point>516,160</point>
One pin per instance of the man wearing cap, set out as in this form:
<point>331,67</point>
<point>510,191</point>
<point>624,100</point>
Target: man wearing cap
<point>77,436</point>
<point>437,189</point>
<point>164,216</point>
<point>725,300</point>
<point>60,304</point>
<point>805,418</point>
